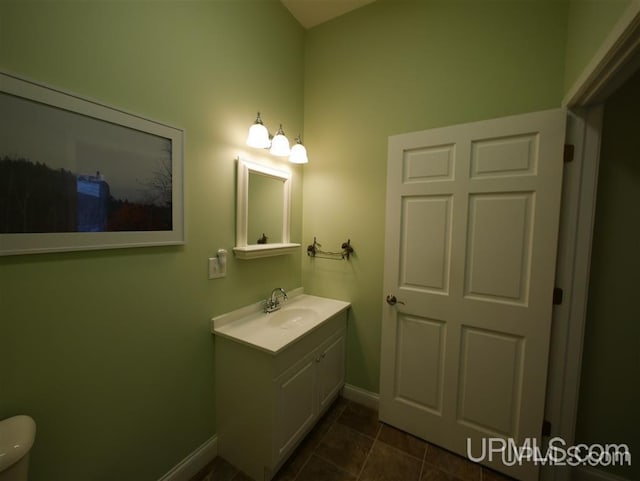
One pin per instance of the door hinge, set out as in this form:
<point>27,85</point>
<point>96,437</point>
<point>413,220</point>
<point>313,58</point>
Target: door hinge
<point>568,153</point>
<point>546,428</point>
<point>558,294</point>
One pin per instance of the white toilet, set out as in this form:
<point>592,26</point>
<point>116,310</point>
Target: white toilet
<point>16,438</point>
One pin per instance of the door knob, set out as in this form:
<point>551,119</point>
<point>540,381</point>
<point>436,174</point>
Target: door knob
<point>392,301</point>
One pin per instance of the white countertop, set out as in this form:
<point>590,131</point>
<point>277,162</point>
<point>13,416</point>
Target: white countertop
<point>272,332</point>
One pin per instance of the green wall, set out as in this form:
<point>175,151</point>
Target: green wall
<point>589,22</point>
<point>110,351</point>
<point>609,397</point>
<point>416,65</point>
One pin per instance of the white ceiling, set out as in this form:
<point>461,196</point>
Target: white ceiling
<point>314,12</point>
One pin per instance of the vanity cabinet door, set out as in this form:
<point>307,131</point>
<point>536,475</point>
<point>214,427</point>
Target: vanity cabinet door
<point>296,405</point>
<point>331,367</point>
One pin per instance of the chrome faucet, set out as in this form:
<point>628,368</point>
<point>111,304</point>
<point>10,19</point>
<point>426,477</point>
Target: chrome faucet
<point>272,304</point>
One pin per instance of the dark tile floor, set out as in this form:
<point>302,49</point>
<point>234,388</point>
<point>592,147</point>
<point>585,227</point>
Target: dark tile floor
<point>350,444</point>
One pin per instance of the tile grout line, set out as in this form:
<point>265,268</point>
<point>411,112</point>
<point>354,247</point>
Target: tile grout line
<point>336,422</point>
<point>402,451</point>
<point>424,461</point>
<point>332,463</point>
<point>295,477</point>
<point>328,461</point>
<point>314,451</point>
<point>366,460</point>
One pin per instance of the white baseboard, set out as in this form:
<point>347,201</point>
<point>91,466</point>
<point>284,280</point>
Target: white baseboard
<point>588,473</point>
<point>194,462</point>
<point>361,396</point>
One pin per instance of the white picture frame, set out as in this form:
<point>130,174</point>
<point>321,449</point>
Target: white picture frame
<point>61,132</point>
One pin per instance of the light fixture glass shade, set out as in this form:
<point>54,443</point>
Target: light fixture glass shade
<point>280,144</point>
<point>258,135</point>
<point>298,153</point>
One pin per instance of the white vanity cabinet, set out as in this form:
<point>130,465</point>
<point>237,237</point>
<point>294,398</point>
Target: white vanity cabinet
<point>266,402</point>
<point>331,365</point>
<point>305,391</point>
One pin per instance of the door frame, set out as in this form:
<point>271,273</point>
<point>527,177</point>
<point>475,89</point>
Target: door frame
<point>614,62</point>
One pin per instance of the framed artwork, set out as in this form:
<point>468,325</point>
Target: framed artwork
<point>78,175</point>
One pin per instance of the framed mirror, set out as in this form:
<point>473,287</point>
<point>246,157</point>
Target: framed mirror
<point>263,211</point>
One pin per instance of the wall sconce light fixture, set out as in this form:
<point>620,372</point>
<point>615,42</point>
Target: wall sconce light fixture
<point>298,153</point>
<point>258,135</point>
<point>278,145</point>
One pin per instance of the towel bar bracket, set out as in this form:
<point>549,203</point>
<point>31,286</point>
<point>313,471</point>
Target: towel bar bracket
<point>314,250</point>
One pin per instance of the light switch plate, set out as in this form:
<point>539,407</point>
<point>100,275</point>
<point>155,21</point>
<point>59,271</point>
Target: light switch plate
<point>215,270</point>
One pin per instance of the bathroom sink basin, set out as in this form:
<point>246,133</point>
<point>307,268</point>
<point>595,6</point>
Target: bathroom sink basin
<point>273,331</point>
<point>291,318</point>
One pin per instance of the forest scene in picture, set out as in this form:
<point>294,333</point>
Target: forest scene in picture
<point>61,171</point>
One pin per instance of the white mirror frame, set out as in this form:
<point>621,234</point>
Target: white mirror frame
<point>242,249</point>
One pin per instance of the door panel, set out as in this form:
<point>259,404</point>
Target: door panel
<point>490,403</point>
<point>428,164</point>
<point>471,233</point>
<point>497,267</point>
<point>420,355</point>
<point>424,262</point>
<point>513,155</point>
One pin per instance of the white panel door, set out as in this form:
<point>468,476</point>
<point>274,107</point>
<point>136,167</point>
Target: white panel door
<point>471,232</point>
